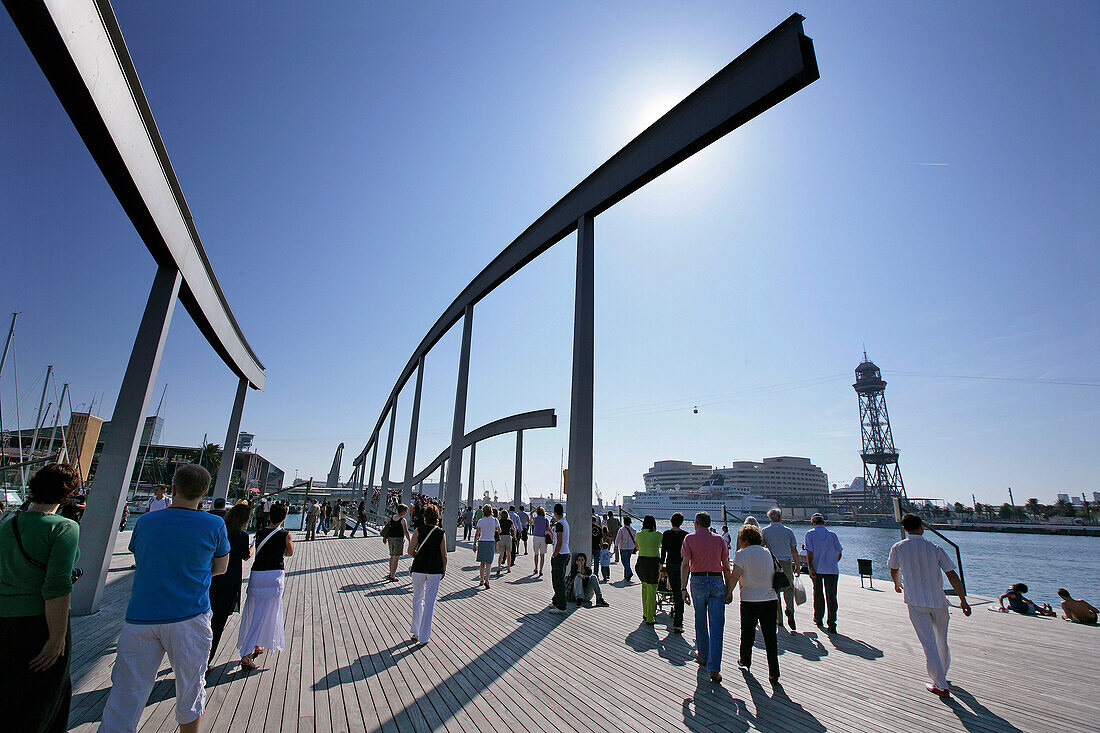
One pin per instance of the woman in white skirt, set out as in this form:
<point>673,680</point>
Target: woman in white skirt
<point>262,617</point>
<point>428,547</point>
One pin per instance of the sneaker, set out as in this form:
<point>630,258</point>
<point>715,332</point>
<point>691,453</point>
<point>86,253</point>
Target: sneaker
<point>601,603</point>
<point>557,611</point>
<point>937,691</point>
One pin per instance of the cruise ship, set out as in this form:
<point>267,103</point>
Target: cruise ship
<point>710,497</point>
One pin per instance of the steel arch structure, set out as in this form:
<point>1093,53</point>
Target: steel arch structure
<point>772,69</point>
<point>534,420</point>
<point>79,47</point>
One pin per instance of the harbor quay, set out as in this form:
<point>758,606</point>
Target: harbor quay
<point>498,661</point>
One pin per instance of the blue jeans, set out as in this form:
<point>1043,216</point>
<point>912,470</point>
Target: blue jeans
<point>359,524</point>
<point>708,594</point>
<point>624,555</point>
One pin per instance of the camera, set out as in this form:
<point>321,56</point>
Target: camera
<point>76,574</point>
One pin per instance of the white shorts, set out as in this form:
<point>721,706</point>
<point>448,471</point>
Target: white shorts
<point>140,650</point>
<point>540,545</point>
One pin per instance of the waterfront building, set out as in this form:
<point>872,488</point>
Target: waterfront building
<point>87,434</point>
<point>790,481</point>
<point>683,475</point>
<point>795,484</point>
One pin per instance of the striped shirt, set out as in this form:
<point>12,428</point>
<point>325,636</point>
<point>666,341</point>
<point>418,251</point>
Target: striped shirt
<point>920,562</point>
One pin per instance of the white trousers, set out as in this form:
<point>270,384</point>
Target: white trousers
<point>425,589</point>
<point>140,650</point>
<point>931,627</point>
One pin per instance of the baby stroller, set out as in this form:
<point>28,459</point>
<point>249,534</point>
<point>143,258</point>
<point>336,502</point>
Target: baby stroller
<point>664,595</point>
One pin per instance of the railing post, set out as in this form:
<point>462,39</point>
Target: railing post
<point>414,426</point>
<point>579,498</point>
<point>470,488</point>
<point>518,493</point>
<point>99,527</point>
<point>229,450</point>
<point>458,434</point>
<point>384,496</point>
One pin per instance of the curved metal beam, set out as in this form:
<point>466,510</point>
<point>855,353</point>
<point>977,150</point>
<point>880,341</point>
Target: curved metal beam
<point>772,69</point>
<point>511,424</point>
<point>79,46</point>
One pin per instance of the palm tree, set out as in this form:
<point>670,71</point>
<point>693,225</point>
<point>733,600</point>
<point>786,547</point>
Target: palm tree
<point>211,458</point>
<point>1033,507</point>
<point>1086,507</point>
<point>1064,508</point>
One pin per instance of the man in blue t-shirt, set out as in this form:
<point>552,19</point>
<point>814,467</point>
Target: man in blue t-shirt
<point>177,551</point>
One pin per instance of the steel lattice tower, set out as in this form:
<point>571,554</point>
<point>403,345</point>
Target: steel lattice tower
<point>881,475</point>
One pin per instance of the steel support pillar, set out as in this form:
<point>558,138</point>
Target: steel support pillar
<point>371,500</point>
<point>99,527</point>
<point>384,497</point>
<point>458,433</point>
<point>414,426</point>
<point>470,488</point>
<point>518,493</point>
<point>229,450</point>
<point>579,492</point>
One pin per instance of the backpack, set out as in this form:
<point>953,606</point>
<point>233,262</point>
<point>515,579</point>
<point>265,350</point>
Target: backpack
<point>390,529</point>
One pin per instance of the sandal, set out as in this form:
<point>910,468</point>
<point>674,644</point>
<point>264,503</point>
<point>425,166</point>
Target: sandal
<point>247,663</point>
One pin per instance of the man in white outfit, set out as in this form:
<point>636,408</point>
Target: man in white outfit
<point>920,562</point>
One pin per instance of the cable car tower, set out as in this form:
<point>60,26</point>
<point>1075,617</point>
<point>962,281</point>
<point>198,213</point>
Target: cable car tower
<point>881,475</point>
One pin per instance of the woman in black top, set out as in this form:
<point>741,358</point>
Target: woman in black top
<point>505,541</point>
<point>672,541</point>
<point>262,617</point>
<point>428,547</point>
<point>225,589</point>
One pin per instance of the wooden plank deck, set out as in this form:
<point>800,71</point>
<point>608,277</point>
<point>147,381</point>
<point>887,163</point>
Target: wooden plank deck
<point>497,661</point>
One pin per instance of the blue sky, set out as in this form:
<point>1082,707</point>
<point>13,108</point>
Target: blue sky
<point>351,166</point>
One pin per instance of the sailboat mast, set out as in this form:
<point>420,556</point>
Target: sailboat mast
<point>57,416</point>
<point>41,402</point>
<point>145,455</point>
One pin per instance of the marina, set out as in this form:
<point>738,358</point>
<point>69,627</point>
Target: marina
<point>498,661</point>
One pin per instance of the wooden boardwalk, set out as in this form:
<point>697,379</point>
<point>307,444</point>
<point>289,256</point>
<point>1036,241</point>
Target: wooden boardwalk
<point>497,661</point>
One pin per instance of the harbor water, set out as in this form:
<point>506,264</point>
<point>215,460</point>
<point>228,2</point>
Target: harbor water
<point>992,561</point>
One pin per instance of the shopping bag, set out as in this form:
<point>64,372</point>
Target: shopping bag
<point>799,591</point>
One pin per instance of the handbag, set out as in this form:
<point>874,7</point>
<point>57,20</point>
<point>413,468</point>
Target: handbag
<point>780,581</point>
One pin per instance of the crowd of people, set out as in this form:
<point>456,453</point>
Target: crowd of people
<point>190,564</point>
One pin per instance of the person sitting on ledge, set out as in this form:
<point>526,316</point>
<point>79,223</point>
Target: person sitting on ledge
<point>1077,611</point>
<point>1020,603</point>
<point>583,582</point>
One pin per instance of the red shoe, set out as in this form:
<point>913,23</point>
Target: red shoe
<point>937,691</point>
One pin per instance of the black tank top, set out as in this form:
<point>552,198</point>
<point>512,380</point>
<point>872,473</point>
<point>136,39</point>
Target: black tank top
<point>429,555</point>
<point>270,556</point>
